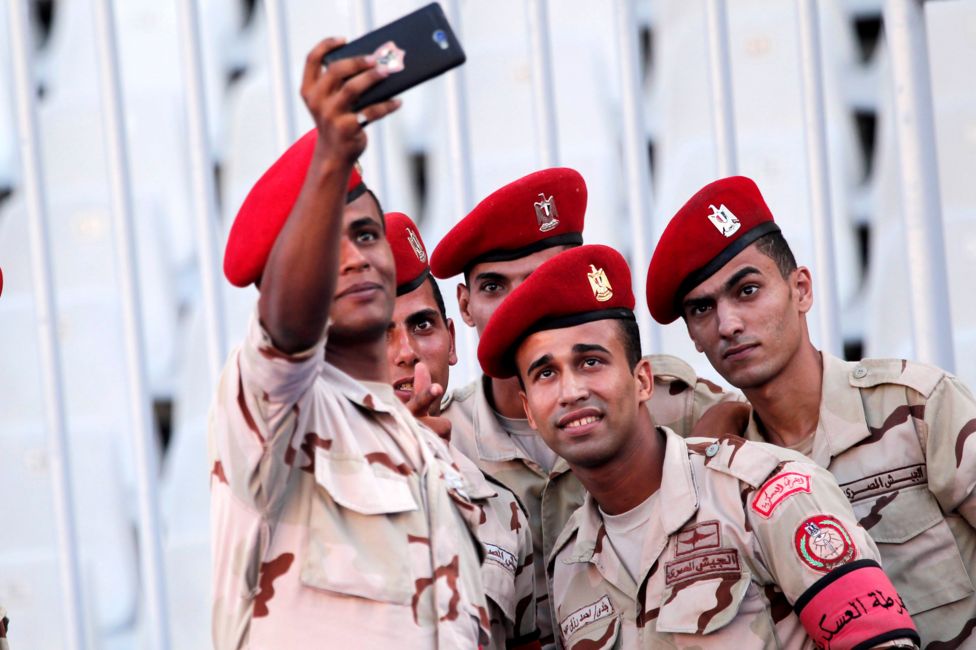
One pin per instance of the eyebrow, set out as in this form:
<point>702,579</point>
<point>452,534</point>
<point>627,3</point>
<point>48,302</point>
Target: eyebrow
<point>736,278</point>
<point>541,361</point>
<point>362,222</point>
<point>489,275</point>
<point>422,315</point>
<point>583,348</point>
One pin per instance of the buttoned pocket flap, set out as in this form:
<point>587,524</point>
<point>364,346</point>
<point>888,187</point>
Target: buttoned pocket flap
<point>898,516</point>
<point>700,604</point>
<point>369,488</point>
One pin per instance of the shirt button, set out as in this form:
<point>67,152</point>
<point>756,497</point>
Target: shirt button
<point>860,372</point>
<point>712,449</point>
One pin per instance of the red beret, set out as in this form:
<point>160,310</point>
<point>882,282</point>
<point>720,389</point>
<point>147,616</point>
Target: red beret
<point>1,281</point>
<point>266,208</point>
<point>715,225</point>
<point>537,211</point>
<point>409,252</point>
<point>576,286</point>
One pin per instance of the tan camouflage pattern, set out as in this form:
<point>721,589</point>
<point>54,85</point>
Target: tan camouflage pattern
<point>713,572</point>
<point>507,571</point>
<point>679,399</point>
<point>338,521</point>
<point>898,437</point>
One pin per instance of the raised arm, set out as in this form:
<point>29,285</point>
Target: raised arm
<point>300,276</point>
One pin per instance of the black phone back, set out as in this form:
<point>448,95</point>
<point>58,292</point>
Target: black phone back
<point>423,43</point>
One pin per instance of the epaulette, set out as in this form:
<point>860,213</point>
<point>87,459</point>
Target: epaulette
<point>920,377</point>
<point>668,369</point>
<point>750,462</point>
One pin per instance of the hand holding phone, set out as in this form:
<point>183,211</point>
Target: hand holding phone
<point>410,50</point>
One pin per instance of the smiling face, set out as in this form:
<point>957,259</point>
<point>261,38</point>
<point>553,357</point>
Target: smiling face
<point>580,392</point>
<point>419,332</point>
<point>489,282</point>
<point>748,319</point>
<point>363,300</point>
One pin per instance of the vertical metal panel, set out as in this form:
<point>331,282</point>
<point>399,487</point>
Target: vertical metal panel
<point>720,77</point>
<point>282,90</point>
<point>375,168</point>
<point>544,104</point>
<point>915,135</point>
<point>146,462</point>
<point>204,193</point>
<point>818,174</point>
<point>460,162</point>
<point>21,50</point>
<point>636,164</point>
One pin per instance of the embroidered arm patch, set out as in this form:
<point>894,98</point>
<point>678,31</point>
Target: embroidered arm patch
<point>777,490</point>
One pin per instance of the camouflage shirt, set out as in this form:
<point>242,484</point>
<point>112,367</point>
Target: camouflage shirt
<point>338,521</point>
<point>678,401</point>
<point>897,436</point>
<point>742,533</point>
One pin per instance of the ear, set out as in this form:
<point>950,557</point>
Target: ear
<point>452,358</point>
<point>801,284</point>
<point>464,303</point>
<point>644,377</point>
<point>525,407</point>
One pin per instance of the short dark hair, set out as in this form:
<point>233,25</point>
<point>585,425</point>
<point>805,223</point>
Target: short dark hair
<point>775,247</point>
<point>438,297</point>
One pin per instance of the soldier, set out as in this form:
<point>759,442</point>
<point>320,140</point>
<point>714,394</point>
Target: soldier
<point>496,246</point>
<point>338,521</point>
<point>895,434</point>
<point>696,543</point>
<point>420,352</point>
<point>4,621</point>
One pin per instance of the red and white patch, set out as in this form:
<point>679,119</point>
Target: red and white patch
<point>777,490</point>
<point>823,543</point>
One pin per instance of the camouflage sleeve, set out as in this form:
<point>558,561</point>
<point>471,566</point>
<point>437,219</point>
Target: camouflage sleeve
<point>950,447</point>
<point>524,632</point>
<point>823,561</point>
<point>276,380</point>
<point>680,396</point>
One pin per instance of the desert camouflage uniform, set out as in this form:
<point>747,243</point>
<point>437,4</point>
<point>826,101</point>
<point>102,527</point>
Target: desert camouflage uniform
<point>714,572</point>
<point>338,521</point>
<point>678,401</point>
<point>896,435</point>
<point>507,571</point>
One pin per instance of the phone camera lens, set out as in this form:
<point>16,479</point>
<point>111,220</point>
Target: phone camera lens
<point>441,39</point>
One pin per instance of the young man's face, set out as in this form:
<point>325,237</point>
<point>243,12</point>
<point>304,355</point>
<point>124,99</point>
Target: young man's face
<point>580,393</point>
<point>363,299</point>
<point>747,319</point>
<point>418,332</point>
<point>490,282</point>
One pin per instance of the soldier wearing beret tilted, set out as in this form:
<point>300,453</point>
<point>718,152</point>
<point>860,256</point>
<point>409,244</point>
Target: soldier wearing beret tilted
<point>338,520</point>
<point>687,543</point>
<point>896,434</point>
<point>496,247</point>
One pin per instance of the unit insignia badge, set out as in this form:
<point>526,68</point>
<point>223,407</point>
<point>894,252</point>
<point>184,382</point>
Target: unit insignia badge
<point>415,244</point>
<point>723,220</point>
<point>602,290</point>
<point>546,213</point>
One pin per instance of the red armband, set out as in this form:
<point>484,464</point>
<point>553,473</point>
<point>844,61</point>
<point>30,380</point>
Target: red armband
<point>854,606</point>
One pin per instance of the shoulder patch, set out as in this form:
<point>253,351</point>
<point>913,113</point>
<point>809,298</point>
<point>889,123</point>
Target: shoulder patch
<point>920,377</point>
<point>823,544</point>
<point>668,369</point>
<point>777,490</point>
<point>749,462</point>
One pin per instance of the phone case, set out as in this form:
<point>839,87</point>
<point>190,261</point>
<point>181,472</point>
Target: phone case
<point>417,47</point>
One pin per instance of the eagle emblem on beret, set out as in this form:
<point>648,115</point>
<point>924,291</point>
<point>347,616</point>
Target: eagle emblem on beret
<point>415,244</point>
<point>723,219</point>
<point>602,290</point>
<point>546,213</point>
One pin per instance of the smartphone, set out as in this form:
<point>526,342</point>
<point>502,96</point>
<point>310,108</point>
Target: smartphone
<point>415,48</point>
